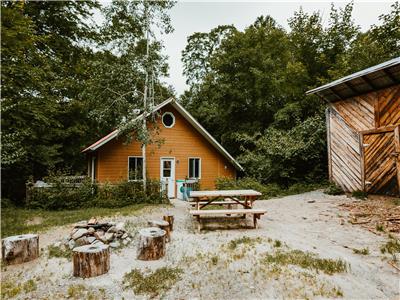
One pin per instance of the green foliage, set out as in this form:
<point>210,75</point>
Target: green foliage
<point>59,252</point>
<point>248,87</point>
<point>306,260</point>
<point>233,244</point>
<point>152,284</point>
<point>269,190</point>
<point>334,189</point>
<point>67,81</point>
<point>391,247</point>
<point>62,195</point>
<point>359,195</point>
<point>9,289</point>
<point>364,251</point>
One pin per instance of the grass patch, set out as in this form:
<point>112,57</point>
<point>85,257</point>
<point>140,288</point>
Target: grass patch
<point>154,283</point>
<point>359,195</point>
<point>277,244</point>
<point>59,252</point>
<point>333,190</point>
<point>364,251</point>
<point>306,260</point>
<point>233,244</point>
<point>16,221</point>
<point>380,227</point>
<point>10,289</point>
<point>391,247</point>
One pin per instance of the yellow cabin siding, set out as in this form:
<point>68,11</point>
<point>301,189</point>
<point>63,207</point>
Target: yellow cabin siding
<point>181,142</point>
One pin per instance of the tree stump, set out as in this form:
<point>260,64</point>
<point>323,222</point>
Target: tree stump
<point>20,248</point>
<point>164,225</point>
<point>91,260</point>
<point>170,220</point>
<point>151,243</point>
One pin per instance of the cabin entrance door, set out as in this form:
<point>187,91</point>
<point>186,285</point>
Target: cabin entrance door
<point>382,162</point>
<point>167,175</point>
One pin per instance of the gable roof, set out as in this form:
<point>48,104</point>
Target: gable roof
<point>371,79</point>
<point>188,117</point>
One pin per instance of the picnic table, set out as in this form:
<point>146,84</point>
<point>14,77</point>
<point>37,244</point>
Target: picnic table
<point>228,198</point>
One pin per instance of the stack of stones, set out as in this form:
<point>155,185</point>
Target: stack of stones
<point>94,232</point>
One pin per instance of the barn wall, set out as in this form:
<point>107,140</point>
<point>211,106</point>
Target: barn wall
<point>180,142</point>
<point>388,106</point>
<point>344,152</point>
<point>358,112</point>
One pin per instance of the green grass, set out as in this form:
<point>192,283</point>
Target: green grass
<point>16,221</point>
<point>364,251</point>
<point>359,195</point>
<point>333,190</point>
<point>54,251</point>
<point>154,283</point>
<point>306,260</point>
<point>392,247</point>
<point>233,244</point>
<point>10,288</point>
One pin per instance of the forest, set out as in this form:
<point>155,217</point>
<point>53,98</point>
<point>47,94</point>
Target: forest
<point>68,80</point>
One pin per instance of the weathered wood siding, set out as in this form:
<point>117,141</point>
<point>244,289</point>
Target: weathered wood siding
<point>364,143</point>
<point>358,112</point>
<point>380,165</point>
<point>181,142</point>
<point>388,107</point>
<point>344,152</point>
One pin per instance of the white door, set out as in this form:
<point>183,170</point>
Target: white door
<point>167,175</point>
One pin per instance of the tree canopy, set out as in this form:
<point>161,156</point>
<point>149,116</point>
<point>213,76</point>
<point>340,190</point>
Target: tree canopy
<point>248,87</point>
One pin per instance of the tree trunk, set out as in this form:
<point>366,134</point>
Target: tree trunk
<point>151,243</point>
<point>170,220</point>
<point>20,248</point>
<point>164,225</point>
<point>91,260</point>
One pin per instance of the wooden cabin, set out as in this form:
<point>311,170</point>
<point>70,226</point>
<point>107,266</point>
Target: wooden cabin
<point>363,124</point>
<point>186,151</point>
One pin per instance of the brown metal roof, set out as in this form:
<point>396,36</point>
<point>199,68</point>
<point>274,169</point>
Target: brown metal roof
<point>374,78</point>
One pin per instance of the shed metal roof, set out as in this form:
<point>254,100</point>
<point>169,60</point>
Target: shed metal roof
<point>374,78</point>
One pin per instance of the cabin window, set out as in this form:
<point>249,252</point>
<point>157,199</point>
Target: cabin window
<point>194,168</point>
<point>168,120</point>
<point>135,168</point>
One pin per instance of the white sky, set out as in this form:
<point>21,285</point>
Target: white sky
<point>190,17</point>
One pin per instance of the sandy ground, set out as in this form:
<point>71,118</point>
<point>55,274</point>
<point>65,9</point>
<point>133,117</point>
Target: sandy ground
<point>211,270</point>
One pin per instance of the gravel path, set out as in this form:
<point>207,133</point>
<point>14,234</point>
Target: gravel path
<point>213,267</point>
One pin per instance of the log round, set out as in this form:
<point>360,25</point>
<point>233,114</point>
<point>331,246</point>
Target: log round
<point>20,248</point>
<point>91,260</point>
<point>164,225</point>
<point>151,243</point>
<point>170,220</point>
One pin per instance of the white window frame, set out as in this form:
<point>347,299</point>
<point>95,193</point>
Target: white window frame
<point>134,156</point>
<point>199,158</point>
<point>173,119</point>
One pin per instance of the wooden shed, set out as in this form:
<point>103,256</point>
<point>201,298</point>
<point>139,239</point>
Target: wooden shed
<point>363,124</point>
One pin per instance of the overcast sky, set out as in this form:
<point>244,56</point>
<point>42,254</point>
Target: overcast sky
<point>190,17</point>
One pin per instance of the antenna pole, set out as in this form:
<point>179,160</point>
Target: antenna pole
<point>145,96</point>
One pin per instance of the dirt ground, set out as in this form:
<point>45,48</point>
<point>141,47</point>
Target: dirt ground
<point>214,267</point>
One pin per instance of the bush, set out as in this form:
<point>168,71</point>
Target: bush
<point>62,195</point>
<point>334,190</point>
<point>359,194</point>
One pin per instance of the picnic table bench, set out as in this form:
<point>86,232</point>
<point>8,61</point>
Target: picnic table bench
<point>244,198</point>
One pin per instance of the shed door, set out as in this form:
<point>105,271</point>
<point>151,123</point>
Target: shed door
<point>382,163</point>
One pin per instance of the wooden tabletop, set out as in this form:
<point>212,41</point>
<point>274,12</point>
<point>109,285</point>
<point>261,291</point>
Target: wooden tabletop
<point>224,193</point>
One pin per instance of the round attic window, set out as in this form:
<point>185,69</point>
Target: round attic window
<point>168,120</point>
